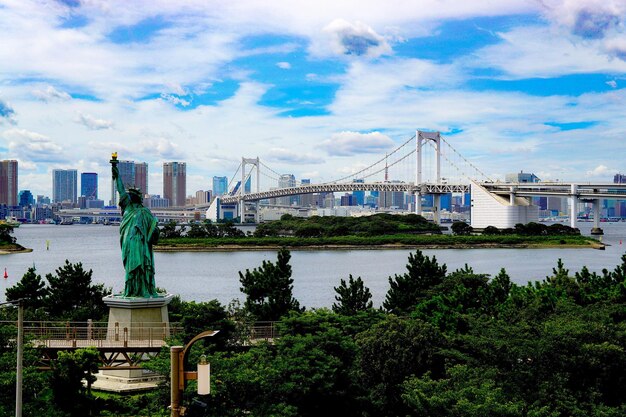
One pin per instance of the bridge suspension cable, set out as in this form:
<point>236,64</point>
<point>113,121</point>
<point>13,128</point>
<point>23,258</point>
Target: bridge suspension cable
<point>386,167</point>
<point>271,170</point>
<point>372,165</point>
<point>465,159</point>
<point>232,180</point>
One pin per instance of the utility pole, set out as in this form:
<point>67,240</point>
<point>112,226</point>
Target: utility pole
<point>20,356</point>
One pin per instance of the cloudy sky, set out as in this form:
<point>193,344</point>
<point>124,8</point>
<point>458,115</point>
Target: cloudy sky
<point>314,88</point>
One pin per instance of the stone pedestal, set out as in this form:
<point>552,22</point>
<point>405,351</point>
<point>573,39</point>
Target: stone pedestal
<point>134,322</point>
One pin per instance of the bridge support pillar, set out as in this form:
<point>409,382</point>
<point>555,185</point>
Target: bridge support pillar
<point>437,209</point>
<point>573,205</point>
<point>417,203</point>
<point>596,230</point>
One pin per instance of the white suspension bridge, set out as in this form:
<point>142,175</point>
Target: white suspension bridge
<point>425,164</point>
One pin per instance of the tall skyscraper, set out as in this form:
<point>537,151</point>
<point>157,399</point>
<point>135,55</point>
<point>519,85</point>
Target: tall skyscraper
<point>64,185</point>
<point>286,181</point>
<point>127,174</point>
<point>203,197</point>
<point>89,185</point>
<point>175,183</point>
<point>141,176</point>
<point>8,182</point>
<point>306,200</point>
<point>220,186</point>
<point>26,198</point>
<point>359,196</point>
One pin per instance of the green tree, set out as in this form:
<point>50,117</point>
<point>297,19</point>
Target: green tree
<point>171,230</point>
<point>269,288</point>
<point>352,297</point>
<point>197,317</point>
<point>390,352</point>
<point>31,288</point>
<point>196,230</point>
<point>461,228</point>
<point>69,371</point>
<point>72,296</point>
<point>5,234</point>
<point>467,392</point>
<point>406,290</point>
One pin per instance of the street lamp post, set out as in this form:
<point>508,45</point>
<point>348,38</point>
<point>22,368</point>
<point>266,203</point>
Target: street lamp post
<point>178,375</point>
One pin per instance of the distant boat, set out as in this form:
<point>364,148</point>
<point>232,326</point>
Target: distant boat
<point>10,221</point>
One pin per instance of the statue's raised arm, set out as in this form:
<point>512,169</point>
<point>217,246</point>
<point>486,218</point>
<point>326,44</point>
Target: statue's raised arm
<point>138,232</point>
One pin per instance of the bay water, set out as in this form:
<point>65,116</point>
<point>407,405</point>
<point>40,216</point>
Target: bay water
<point>203,276</point>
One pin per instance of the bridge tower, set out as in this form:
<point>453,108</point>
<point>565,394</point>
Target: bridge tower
<point>420,140</point>
<point>242,188</point>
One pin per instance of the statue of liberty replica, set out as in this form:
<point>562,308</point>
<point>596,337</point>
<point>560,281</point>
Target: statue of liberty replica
<point>139,313</point>
<point>138,232</point>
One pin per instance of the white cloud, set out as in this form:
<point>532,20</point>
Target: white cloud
<point>51,93</point>
<point>161,148</point>
<point>537,51</point>
<point>356,39</point>
<point>354,143</point>
<point>612,83</point>
<point>33,147</point>
<point>288,156</point>
<point>283,65</point>
<point>600,171</point>
<point>93,123</point>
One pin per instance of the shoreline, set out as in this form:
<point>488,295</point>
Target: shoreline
<point>252,248</point>
<point>15,249</point>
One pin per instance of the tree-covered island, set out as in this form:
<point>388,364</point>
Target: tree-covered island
<point>379,231</point>
<point>8,243</point>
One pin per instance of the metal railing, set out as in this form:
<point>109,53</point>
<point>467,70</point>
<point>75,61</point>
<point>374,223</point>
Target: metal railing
<point>264,330</point>
<point>82,334</point>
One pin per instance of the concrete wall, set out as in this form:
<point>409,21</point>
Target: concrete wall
<point>493,210</point>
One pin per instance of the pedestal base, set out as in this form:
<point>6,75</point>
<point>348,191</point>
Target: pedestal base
<point>597,231</point>
<point>123,384</point>
<point>137,322</point>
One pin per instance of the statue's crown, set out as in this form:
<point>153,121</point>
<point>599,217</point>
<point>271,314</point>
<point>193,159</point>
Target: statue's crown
<point>135,191</point>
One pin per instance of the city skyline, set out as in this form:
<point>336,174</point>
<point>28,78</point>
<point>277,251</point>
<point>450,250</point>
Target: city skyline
<point>316,90</point>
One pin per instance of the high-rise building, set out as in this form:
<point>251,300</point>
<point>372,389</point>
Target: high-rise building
<point>287,181</point>
<point>203,197</point>
<point>359,196</point>
<point>306,200</point>
<point>175,183</point>
<point>89,185</point>
<point>26,198</point>
<point>619,179</point>
<point>141,177</point>
<point>8,182</point>
<point>220,186</point>
<point>64,185</point>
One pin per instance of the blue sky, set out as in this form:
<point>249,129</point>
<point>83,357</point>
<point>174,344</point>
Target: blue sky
<point>318,89</point>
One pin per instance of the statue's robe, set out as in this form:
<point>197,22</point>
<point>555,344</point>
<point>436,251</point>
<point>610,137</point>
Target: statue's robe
<point>138,232</point>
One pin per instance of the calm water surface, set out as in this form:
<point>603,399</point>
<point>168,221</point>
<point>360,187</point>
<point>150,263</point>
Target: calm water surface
<point>203,276</point>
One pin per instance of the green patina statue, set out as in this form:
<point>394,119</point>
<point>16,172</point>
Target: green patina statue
<point>138,232</point>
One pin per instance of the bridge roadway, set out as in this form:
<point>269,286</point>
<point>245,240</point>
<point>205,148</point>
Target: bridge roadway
<point>163,214</point>
<point>582,191</point>
<point>425,188</point>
